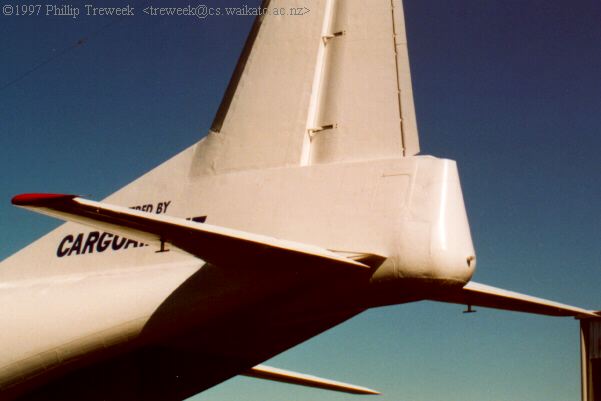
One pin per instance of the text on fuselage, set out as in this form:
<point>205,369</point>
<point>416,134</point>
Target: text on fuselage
<point>99,241</point>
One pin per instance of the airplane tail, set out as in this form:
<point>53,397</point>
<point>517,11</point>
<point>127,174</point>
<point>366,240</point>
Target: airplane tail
<point>330,85</point>
<point>327,87</point>
<point>314,86</point>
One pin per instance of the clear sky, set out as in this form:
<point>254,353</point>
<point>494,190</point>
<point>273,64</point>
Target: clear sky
<point>511,89</point>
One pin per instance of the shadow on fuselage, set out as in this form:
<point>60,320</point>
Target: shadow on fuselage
<point>219,322</point>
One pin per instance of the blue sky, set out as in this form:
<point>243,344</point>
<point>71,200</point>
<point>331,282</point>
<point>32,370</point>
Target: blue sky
<point>511,89</point>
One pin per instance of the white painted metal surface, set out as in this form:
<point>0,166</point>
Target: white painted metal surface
<point>311,153</point>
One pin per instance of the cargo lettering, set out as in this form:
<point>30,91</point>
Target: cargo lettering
<point>99,242</point>
<point>94,242</point>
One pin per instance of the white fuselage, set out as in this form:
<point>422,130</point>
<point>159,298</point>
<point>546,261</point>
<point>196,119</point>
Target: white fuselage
<point>409,210</point>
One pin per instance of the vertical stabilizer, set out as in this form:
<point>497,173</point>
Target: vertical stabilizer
<point>329,85</point>
<point>365,102</point>
<point>262,117</point>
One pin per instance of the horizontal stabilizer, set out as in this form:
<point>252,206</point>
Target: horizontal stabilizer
<point>475,294</point>
<point>286,376</point>
<point>213,244</point>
